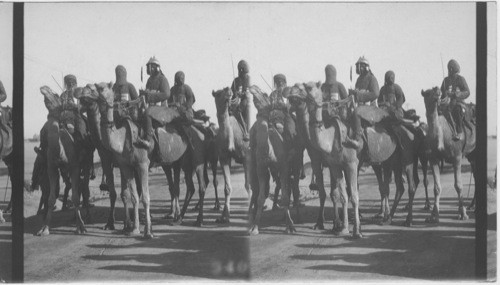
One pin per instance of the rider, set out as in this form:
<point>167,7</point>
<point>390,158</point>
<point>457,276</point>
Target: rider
<point>391,96</point>
<point>365,93</point>
<point>182,97</point>
<point>455,87</point>
<point>124,91</point>
<point>280,119</point>
<point>239,87</point>
<point>332,89</point>
<point>157,90</point>
<point>71,117</point>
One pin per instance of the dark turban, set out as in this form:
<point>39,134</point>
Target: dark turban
<point>279,77</point>
<point>70,80</point>
<point>390,77</point>
<point>330,74</point>
<point>243,66</point>
<point>179,78</point>
<point>121,75</point>
<point>453,67</point>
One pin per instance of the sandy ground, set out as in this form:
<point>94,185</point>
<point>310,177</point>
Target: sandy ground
<point>176,253</point>
<point>215,252</point>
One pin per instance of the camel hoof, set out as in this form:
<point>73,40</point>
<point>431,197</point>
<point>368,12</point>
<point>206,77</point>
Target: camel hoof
<point>313,187</point>
<point>432,220</point>
<point>222,220</point>
<point>290,229</point>
<point>408,223</point>
<point>148,236</point>
<point>134,233</point>
<point>109,226</point>
<point>342,233</point>
<point>357,236</point>
<point>471,208</point>
<point>378,216</point>
<point>427,206</point>
<point>43,232</point>
<point>253,231</point>
<point>217,207</point>
<point>198,223</point>
<point>318,226</point>
<point>386,221</point>
<point>80,230</point>
<point>2,220</point>
<point>463,217</point>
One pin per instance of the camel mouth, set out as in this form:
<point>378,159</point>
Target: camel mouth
<point>89,94</point>
<point>47,92</point>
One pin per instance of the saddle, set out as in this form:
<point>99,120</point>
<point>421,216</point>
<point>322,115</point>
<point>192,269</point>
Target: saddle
<point>372,114</point>
<point>335,114</point>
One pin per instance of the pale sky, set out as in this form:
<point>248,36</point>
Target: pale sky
<point>6,77</point>
<point>296,39</point>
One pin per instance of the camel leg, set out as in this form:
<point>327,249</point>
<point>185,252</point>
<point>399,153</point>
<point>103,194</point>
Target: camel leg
<point>53,174</point>
<point>142,172</point>
<point>129,171</point>
<point>381,188</point>
<point>412,189</point>
<point>263,177</point>
<point>227,191</point>
<point>457,172</point>
<point>75,198</point>
<point>201,190</point>
<point>168,173</point>
<point>294,186</point>
<point>286,191</point>
<point>351,172</point>
<point>126,196</point>
<point>400,187</point>
<point>215,182</point>
<point>188,176</point>
<point>276,193</point>
<point>107,169</point>
<point>473,169</point>
<point>177,190</point>
<point>434,218</point>
<point>318,170</point>
<point>424,163</point>
<point>338,193</point>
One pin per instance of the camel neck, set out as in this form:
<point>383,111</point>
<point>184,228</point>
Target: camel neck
<point>432,120</point>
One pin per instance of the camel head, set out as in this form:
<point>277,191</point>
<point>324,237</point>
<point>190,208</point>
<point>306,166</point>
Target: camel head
<point>51,99</point>
<point>222,98</point>
<point>89,96</point>
<point>296,95</point>
<point>105,93</point>
<point>314,93</point>
<point>260,99</point>
<point>431,98</point>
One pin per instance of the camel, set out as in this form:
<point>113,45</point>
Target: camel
<point>39,178</point>
<point>62,151</point>
<point>132,161</point>
<point>440,143</point>
<point>171,156</point>
<point>269,152</point>
<point>341,162</point>
<point>211,160</point>
<point>230,145</point>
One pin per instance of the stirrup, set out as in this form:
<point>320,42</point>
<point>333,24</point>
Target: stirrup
<point>351,143</point>
<point>142,143</point>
